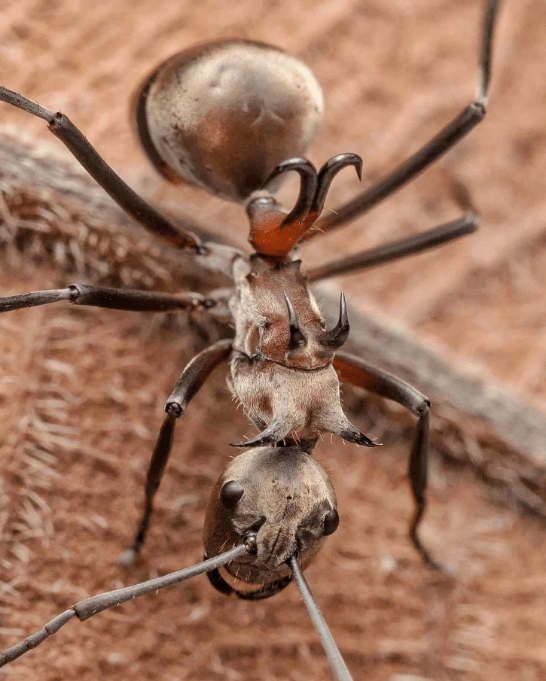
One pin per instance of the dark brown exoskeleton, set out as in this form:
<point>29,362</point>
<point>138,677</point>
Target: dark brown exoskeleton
<point>234,117</point>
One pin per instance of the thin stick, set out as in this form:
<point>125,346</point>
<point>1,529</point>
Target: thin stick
<point>337,664</point>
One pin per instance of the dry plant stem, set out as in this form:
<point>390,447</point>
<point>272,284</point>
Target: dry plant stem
<point>108,249</point>
<point>91,606</point>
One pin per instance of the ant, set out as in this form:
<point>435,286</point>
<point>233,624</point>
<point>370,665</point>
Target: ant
<point>226,116</point>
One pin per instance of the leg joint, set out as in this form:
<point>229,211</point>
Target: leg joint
<point>174,409</point>
<point>75,292</point>
<point>423,408</point>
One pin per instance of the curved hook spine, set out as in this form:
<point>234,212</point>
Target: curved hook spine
<point>327,173</point>
<point>297,339</point>
<point>337,336</point>
<point>308,187</point>
<point>488,27</point>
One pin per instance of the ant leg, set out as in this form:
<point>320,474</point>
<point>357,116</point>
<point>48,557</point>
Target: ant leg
<point>191,380</point>
<point>116,299</point>
<point>123,195</point>
<point>396,249</point>
<point>359,373</point>
<point>460,126</point>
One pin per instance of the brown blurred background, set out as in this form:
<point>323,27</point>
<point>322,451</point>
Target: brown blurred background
<point>393,73</point>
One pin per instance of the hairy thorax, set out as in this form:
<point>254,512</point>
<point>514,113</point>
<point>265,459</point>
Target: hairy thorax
<point>282,370</point>
<point>305,402</point>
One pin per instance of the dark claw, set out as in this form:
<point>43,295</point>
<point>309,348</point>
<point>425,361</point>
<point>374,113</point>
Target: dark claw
<point>308,189</point>
<point>327,173</point>
<point>297,339</point>
<point>271,435</point>
<point>338,335</point>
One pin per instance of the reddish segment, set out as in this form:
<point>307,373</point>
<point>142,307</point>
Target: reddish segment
<point>273,238</point>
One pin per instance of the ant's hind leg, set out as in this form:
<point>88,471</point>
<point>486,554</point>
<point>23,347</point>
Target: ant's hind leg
<point>446,139</point>
<point>63,128</point>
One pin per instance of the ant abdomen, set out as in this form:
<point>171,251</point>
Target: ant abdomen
<point>223,115</point>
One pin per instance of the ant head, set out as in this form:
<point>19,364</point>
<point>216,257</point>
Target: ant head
<point>284,498</point>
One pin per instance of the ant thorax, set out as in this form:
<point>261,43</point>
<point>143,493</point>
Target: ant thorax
<point>282,370</point>
<point>262,325</point>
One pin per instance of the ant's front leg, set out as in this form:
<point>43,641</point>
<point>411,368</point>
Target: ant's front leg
<point>359,373</point>
<point>191,380</point>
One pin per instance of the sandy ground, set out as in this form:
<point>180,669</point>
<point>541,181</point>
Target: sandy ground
<point>81,391</point>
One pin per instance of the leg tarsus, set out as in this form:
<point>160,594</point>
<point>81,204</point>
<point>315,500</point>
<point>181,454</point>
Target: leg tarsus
<point>116,299</point>
<point>33,299</point>
<point>155,472</point>
<point>418,475</point>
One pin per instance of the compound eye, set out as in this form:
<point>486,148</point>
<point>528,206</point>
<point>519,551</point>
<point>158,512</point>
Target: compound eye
<point>331,522</point>
<point>231,493</point>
